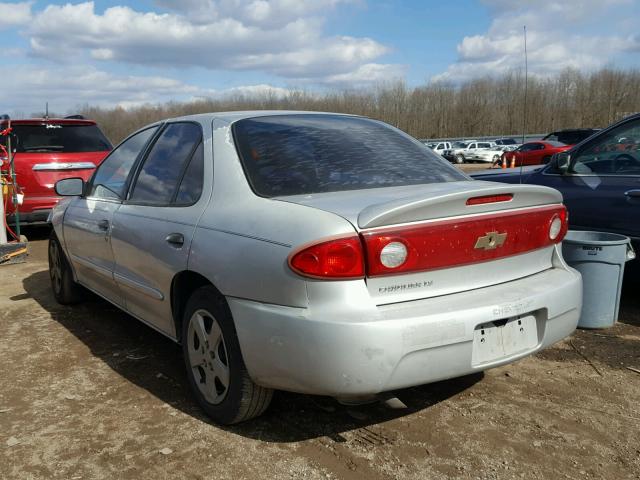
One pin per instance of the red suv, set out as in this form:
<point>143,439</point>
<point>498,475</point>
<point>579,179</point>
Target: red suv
<point>45,151</point>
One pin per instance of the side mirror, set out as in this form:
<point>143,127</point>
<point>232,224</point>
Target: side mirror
<point>69,187</point>
<point>561,162</point>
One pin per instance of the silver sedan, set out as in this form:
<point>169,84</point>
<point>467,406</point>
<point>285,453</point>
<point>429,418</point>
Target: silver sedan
<point>311,252</point>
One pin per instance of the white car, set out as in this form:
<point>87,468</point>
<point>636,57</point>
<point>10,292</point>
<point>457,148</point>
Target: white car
<point>490,155</point>
<point>439,147</point>
<point>465,151</point>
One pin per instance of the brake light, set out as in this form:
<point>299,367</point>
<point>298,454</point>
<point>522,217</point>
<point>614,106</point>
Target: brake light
<point>449,243</point>
<point>506,197</point>
<point>340,258</point>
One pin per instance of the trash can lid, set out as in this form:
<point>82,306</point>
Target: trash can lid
<point>580,237</point>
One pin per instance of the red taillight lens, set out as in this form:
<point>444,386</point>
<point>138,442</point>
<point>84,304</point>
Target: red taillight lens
<point>506,197</point>
<point>341,258</point>
<point>463,241</point>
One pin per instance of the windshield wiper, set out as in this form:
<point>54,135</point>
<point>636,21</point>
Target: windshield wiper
<point>44,148</point>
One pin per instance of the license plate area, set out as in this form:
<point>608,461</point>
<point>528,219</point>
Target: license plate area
<point>504,338</point>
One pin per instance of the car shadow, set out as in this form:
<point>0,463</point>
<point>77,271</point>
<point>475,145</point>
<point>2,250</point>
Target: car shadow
<point>153,362</point>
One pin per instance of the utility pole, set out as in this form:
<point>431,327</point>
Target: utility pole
<point>524,107</point>
<point>526,78</point>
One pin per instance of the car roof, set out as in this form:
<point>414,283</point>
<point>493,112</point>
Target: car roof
<point>240,115</point>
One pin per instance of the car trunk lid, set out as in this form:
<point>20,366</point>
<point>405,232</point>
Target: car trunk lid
<point>459,235</point>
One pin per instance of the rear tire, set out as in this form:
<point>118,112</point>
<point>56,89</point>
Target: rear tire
<point>65,289</point>
<point>215,368</point>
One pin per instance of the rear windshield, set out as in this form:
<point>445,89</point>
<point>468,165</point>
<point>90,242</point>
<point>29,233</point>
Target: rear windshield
<point>303,154</point>
<point>58,138</point>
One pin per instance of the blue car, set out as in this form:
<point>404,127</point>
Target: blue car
<point>599,179</point>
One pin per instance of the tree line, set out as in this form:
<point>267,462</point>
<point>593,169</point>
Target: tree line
<point>479,107</point>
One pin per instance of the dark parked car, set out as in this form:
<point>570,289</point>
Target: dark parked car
<point>599,179</point>
<point>571,136</point>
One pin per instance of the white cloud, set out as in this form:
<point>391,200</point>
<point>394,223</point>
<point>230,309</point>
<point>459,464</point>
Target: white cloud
<point>367,74</point>
<point>278,37</point>
<point>14,14</point>
<point>71,86</point>
<point>264,13</point>
<point>560,34</point>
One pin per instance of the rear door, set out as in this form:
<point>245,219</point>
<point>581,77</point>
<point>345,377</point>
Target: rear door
<point>602,188</point>
<point>153,229</point>
<point>88,219</point>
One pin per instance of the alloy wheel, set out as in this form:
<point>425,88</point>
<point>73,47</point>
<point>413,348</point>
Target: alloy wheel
<point>208,357</point>
<point>55,267</point>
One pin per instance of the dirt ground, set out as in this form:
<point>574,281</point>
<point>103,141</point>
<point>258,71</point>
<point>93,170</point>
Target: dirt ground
<point>87,392</point>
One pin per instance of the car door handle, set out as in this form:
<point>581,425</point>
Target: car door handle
<point>632,193</point>
<point>103,225</point>
<point>175,239</point>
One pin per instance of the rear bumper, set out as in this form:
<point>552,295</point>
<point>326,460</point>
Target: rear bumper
<point>37,217</point>
<point>35,210</point>
<point>401,345</point>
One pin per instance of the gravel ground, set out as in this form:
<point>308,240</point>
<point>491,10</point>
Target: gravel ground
<point>87,392</point>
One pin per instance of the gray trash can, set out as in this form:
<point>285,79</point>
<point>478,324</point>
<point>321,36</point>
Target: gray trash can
<point>600,258</point>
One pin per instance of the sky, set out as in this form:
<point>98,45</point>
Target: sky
<point>127,53</point>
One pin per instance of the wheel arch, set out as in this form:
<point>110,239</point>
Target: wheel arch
<point>183,285</point>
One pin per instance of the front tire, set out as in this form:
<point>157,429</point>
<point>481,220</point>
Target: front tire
<point>459,159</point>
<point>216,371</point>
<point>65,289</point>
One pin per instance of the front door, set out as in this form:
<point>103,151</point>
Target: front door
<point>88,222</point>
<point>153,229</point>
<point>602,187</point>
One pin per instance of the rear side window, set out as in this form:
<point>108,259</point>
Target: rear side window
<point>191,185</point>
<point>303,154</point>
<point>166,163</point>
<point>62,138</point>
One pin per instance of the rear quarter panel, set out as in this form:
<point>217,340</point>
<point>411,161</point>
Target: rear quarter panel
<point>242,242</point>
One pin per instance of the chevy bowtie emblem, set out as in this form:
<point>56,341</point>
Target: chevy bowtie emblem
<point>490,241</point>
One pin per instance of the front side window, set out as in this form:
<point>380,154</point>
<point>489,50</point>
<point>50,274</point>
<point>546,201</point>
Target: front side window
<point>616,152</point>
<point>111,177</point>
<point>166,163</point>
<point>304,154</point>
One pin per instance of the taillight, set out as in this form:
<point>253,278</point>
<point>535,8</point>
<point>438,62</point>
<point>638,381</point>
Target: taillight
<point>463,241</point>
<point>559,225</point>
<point>483,200</point>
<point>340,258</point>
<point>393,254</point>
